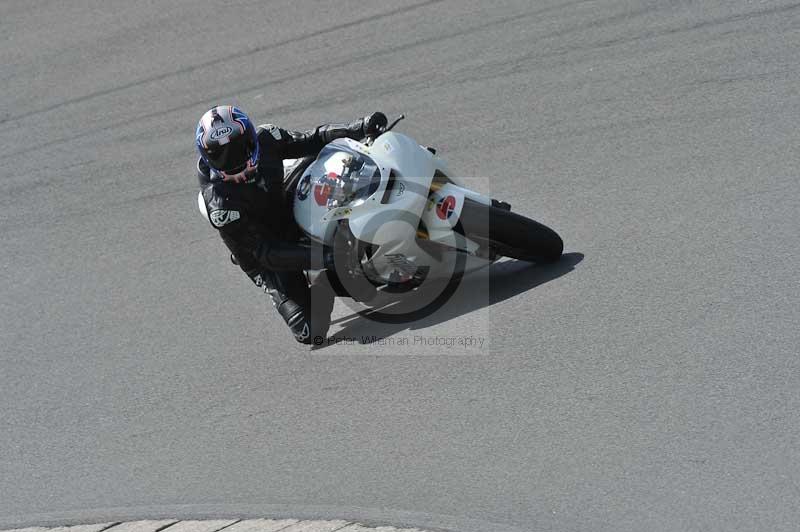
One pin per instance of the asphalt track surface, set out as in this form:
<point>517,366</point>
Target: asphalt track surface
<point>648,382</point>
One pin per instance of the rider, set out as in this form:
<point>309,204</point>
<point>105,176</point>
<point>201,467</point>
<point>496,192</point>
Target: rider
<point>241,181</point>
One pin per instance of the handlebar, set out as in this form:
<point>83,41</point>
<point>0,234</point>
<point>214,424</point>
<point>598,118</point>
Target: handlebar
<point>369,140</point>
<point>391,126</point>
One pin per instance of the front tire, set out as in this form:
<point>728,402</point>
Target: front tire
<point>510,234</point>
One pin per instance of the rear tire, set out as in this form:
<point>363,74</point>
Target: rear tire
<point>510,234</point>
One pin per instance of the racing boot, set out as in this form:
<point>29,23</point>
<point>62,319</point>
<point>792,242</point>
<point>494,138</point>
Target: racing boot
<point>279,287</point>
<point>293,314</point>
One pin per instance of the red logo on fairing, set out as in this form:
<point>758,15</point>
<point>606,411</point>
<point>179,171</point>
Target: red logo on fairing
<point>324,187</point>
<point>445,207</point>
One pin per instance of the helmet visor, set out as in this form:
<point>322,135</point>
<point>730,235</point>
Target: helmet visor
<point>231,156</point>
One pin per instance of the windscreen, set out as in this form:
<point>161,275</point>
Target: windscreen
<point>349,175</point>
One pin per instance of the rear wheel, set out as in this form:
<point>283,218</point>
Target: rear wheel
<point>509,234</point>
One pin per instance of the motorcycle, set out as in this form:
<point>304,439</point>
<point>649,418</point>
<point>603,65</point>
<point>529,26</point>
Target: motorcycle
<point>398,218</point>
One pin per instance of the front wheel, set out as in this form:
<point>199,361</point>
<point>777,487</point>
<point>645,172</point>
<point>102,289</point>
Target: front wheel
<point>509,234</point>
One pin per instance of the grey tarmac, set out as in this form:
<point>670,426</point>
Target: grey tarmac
<point>648,381</point>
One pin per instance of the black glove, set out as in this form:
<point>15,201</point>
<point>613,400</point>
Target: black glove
<point>374,124</point>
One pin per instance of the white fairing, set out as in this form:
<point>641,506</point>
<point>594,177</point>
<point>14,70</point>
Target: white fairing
<point>349,180</point>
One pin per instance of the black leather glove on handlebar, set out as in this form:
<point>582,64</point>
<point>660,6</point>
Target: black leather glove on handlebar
<point>374,124</point>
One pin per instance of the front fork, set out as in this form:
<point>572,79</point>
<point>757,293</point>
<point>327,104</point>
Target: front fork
<point>348,277</point>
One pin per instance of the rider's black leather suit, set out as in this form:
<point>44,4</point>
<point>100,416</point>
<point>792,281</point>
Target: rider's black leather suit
<point>256,223</point>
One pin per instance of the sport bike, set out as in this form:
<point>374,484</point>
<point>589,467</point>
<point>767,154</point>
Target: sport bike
<point>397,218</point>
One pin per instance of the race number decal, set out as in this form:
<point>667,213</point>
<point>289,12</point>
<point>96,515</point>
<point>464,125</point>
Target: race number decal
<point>324,187</point>
<point>445,207</point>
